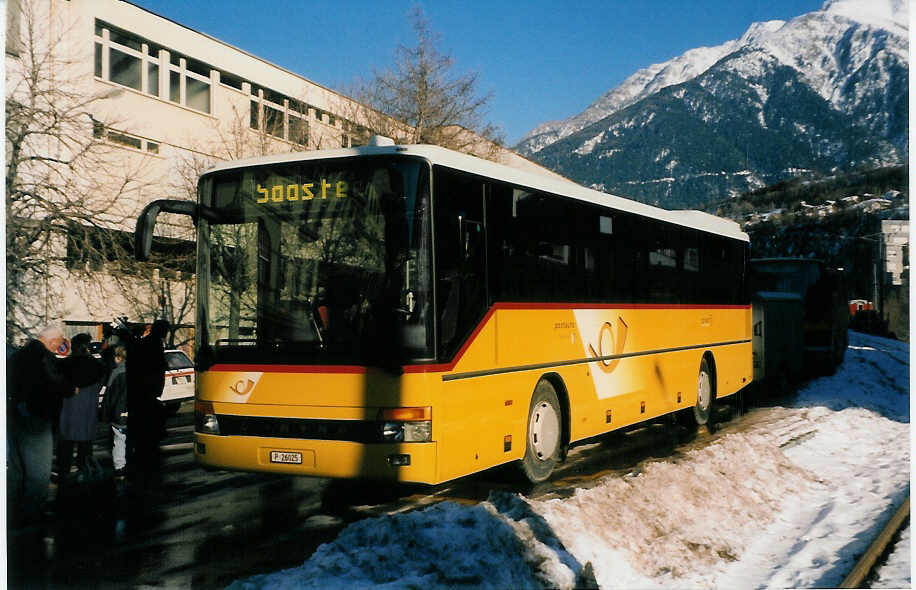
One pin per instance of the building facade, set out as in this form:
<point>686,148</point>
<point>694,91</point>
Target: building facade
<point>895,241</point>
<point>161,102</point>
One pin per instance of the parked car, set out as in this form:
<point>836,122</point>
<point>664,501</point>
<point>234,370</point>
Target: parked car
<point>179,380</point>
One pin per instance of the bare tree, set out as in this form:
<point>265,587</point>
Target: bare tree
<point>419,99</point>
<point>67,186</point>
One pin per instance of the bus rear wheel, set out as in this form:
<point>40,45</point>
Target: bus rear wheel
<point>543,441</point>
<point>705,394</point>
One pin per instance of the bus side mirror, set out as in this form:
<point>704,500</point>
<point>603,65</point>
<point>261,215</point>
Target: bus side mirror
<point>143,234</point>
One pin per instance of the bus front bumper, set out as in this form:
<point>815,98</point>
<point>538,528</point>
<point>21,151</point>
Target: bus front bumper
<point>403,462</point>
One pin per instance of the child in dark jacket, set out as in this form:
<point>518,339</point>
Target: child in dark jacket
<point>114,410</point>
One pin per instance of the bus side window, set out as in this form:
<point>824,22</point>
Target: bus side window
<point>504,279</point>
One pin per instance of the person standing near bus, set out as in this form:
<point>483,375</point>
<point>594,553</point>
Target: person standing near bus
<point>79,418</point>
<point>145,381</point>
<point>36,384</point>
<point>114,410</point>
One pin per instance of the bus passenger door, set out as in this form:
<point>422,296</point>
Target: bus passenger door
<point>460,258</point>
<point>468,440</point>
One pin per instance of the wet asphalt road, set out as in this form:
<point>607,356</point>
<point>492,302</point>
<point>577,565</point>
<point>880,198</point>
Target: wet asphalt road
<point>187,528</point>
<point>203,529</point>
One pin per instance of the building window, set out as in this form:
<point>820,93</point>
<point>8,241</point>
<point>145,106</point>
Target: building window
<point>280,116</point>
<point>273,96</point>
<point>13,34</point>
<point>99,131</point>
<point>174,86</point>
<point>98,60</point>
<point>230,80</point>
<point>125,140</point>
<point>198,94</point>
<point>124,69</point>
<point>298,130</point>
<point>273,121</point>
<point>197,67</point>
<point>152,78</point>
<point>255,115</point>
<point>129,57</point>
<point>298,106</point>
<point>126,39</point>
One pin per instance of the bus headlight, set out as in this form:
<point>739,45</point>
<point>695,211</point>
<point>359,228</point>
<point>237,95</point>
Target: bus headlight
<point>405,424</point>
<point>392,431</point>
<point>205,418</point>
<point>407,431</point>
<point>418,431</point>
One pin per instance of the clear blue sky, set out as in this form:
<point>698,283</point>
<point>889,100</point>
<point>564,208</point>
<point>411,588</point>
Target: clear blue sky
<point>542,60</point>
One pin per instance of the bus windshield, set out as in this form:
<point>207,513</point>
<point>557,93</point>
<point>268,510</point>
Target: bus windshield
<point>317,262</point>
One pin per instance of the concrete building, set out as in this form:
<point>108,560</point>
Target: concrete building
<point>895,290</point>
<point>895,241</point>
<point>156,103</point>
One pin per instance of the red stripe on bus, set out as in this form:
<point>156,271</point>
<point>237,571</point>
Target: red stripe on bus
<point>347,369</point>
<point>446,367</point>
<point>535,306</point>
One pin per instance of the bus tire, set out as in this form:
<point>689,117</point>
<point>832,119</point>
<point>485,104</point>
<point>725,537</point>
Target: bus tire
<point>544,433</point>
<point>706,393</point>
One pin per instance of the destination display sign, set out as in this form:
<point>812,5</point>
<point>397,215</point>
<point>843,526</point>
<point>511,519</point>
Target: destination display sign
<point>292,192</point>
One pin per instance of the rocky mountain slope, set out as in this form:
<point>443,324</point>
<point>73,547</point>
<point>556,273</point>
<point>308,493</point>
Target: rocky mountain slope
<point>825,91</point>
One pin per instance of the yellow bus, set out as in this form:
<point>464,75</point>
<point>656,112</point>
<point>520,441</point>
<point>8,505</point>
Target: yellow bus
<point>409,313</point>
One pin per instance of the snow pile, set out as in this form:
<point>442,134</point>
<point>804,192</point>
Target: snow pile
<point>676,518</point>
<point>862,464</point>
<point>875,376</point>
<point>496,544</point>
<point>786,497</point>
<point>854,435</point>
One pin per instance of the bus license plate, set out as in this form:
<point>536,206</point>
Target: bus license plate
<point>286,457</point>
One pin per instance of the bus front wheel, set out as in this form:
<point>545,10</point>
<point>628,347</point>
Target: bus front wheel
<point>543,443</point>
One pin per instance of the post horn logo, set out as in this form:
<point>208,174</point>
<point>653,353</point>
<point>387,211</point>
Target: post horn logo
<point>608,342</point>
<point>242,387</point>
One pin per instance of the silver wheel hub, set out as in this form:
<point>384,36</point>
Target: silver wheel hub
<point>544,431</point>
<point>704,391</point>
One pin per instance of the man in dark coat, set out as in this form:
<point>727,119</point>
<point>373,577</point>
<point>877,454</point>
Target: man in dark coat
<point>145,381</point>
<point>79,417</point>
<point>36,384</point>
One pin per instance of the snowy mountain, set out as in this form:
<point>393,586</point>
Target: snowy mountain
<point>827,90</point>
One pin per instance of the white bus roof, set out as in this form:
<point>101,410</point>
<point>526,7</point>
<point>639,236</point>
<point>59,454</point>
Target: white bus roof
<point>451,159</point>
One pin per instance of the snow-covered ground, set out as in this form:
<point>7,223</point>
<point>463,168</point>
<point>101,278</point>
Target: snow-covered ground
<point>787,496</point>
